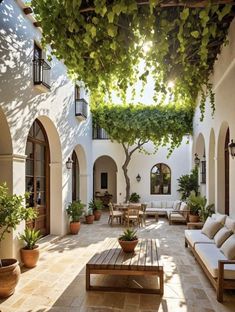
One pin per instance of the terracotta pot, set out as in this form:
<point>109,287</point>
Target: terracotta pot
<point>128,246</point>
<point>9,277</point>
<point>193,218</point>
<point>90,219</point>
<point>97,215</point>
<point>29,257</point>
<point>75,227</point>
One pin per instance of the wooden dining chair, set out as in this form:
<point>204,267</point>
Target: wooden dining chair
<point>132,216</point>
<point>114,214</point>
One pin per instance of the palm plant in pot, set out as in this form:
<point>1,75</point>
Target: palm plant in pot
<point>194,207</point>
<point>96,205</point>
<point>128,240</point>
<point>75,211</point>
<point>30,252</point>
<point>12,212</point>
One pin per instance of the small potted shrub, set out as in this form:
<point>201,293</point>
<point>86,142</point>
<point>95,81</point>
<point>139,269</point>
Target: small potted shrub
<point>134,198</point>
<point>12,212</point>
<point>89,216</point>
<point>30,252</point>
<point>96,205</point>
<point>75,211</point>
<point>128,240</point>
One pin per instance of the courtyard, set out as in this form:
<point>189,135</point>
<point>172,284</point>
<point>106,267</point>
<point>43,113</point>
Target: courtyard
<point>58,281</point>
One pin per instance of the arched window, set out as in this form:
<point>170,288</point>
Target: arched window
<point>160,179</point>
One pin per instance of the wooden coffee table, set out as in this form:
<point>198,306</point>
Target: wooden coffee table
<point>111,260</point>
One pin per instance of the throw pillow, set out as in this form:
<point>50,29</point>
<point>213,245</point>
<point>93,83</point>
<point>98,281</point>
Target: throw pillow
<point>211,227</point>
<point>230,224</point>
<point>219,217</point>
<point>176,205</point>
<point>183,206</point>
<point>228,248</point>
<point>221,236</point>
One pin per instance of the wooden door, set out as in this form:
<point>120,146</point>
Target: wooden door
<point>226,170</point>
<point>37,176</point>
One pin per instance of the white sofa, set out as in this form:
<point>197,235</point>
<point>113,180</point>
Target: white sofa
<point>175,210</point>
<point>216,255</point>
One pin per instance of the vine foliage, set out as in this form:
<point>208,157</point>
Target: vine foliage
<point>102,43</point>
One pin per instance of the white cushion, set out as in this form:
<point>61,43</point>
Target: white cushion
<point>169,204</point>
<point>210,255</point>
<point>221,236</point>
<point>196,236</point>
<point>228,248</point>
<point>176,204</point>
<point>230,224</point>
<point>156,204</point>
<point>219,217</point>
<point>183,206</point>
<point>177,217</point>
<point>211,227</point>
<point>163,204</point>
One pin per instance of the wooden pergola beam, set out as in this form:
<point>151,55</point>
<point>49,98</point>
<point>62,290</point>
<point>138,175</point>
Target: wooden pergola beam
<point>176,3</point>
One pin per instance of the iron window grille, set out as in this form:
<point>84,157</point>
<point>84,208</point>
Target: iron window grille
<point>41,73</point>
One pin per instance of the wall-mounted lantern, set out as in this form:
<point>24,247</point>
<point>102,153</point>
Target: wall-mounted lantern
<point>138,178</point>
<point>231,147</point>
<point>69,163</point>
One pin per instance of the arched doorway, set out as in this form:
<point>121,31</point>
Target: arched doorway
<point>105,177</point>
<point>201,154</point>
<point>75,178</point>
<point>223,169</point>
<point>211,169</point>
<point>226,173</point>
<point>37,175</point>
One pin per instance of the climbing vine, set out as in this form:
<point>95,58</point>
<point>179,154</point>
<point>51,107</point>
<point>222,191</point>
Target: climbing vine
<point>102,43</point>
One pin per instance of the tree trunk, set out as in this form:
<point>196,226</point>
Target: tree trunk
<point>125,171</point>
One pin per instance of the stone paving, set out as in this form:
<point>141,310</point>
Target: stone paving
<point>57,284</point>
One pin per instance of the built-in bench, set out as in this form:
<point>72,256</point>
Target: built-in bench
<point>214,249</point>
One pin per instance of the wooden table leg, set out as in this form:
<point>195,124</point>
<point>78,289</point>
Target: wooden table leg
<point>161,280</point>
<point>88,278</point>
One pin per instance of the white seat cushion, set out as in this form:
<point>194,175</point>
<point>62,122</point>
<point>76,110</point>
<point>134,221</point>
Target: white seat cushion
<point>169,204</point>
<point>196,236</point>
<point>177,217</point>
<point>176,205</point>
<point>183,206</point>
<point>210,255</point>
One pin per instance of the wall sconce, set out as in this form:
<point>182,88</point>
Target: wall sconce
<point>196,160</point>
<point>69,163</point>
<point>231,147</point>
<point>138,178</point>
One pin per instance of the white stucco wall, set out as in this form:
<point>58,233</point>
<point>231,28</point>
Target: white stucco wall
<point>21,103</point>
<point>223,83</point>
<point>179,163</point>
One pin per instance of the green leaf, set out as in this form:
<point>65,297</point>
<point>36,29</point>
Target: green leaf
<point>110,16</point>
<point>195,34</point>
<point>112,30</point>
<point>184,14</point>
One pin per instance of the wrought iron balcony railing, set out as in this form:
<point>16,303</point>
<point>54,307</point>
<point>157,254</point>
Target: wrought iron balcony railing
<point>41,73</point>
<point>99,134</point>
<point>81,109</point>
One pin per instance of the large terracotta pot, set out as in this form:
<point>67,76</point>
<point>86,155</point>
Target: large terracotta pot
<point>75,227</point>
<point>90,219</point>
<point>193,218</point>
<point>29,257</point>
<point>97,215</point>
<point>9,277</point>
<point>128,246</point>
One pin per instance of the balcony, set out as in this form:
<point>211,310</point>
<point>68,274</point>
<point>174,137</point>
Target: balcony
<point>41,74</point>
<point>99,134</point>
<point>81,109</point>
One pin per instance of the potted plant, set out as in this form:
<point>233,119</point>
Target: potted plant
<point>134,198</point>
<point>75,211</point>
<point>89,216</point>
<point>30,252</point>
<point>188,183</point>
<point>12,212</point>
<point>96,205</point>
<point>193,203</point>
<point>205,210</point>
<point>128,240</point>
